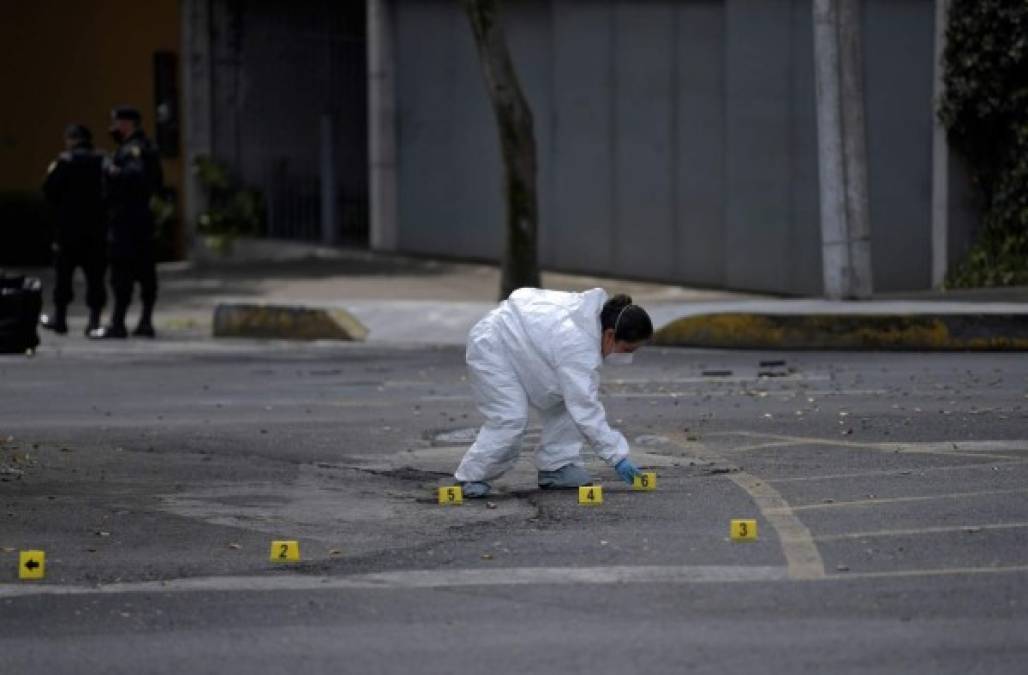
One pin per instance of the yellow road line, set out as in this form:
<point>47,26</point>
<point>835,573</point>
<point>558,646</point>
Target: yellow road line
<point>917,531</point>
<point>801,554</point>
<point>899,500</point>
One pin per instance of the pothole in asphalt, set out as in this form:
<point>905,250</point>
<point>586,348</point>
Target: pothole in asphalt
<point>362,509</point>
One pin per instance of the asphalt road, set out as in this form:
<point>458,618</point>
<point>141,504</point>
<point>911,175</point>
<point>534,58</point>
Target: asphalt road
<point>890,490</point>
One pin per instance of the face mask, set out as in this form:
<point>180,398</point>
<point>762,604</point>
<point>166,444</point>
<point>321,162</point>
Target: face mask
<point>117,135</point>
<point>618,359</point>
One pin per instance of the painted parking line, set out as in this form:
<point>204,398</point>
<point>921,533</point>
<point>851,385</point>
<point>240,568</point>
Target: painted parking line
<point>902,500</point>
<point>770,394</point>
<point>801,554</point>
<point>980,449</point>
<point>872,534</point>
<point>898,472</point>
<point>944,447</point>
<point>752,376</point>
<point>943,571</point>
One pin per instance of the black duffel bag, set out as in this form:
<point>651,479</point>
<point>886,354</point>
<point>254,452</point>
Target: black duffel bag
<point>21,301</point>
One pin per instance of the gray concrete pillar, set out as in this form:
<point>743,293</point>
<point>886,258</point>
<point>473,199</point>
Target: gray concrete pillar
<point>384,227</point>
<point>835,249</point>
<point>195,16</point>
<point>940,157</point>
<point>842,151</point>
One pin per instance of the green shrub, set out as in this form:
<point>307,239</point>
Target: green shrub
<point>233,211</point>
<point>985,110</point>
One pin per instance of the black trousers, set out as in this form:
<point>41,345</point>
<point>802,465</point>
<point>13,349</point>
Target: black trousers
<point>93,261</point>
<point>126,271</point>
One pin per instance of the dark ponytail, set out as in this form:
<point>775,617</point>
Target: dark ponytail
<point>630,322</point>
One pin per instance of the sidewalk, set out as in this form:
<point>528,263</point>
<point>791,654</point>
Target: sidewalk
<point>409,300</point>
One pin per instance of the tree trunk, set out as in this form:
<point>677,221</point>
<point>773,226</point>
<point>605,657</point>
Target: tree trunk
<point>517,144</point>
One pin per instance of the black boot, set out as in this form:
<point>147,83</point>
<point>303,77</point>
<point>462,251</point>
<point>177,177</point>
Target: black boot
<point>108,332</point>
<point>58,322</point>
<point>115,329</point>
<point>94,321</point>
<point>145,326</point>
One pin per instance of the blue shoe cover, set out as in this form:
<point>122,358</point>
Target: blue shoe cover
<point>566,477</point>
<point>475,490</point>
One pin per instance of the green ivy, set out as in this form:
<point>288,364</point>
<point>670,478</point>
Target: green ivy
<point>985,110</point>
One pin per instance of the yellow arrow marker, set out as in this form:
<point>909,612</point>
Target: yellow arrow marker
<point>743,530</point>
<point>285,551</point>
<point>645,481</point>
<point>31,565</point>
<point>451,495</point>
<point>590,495</point>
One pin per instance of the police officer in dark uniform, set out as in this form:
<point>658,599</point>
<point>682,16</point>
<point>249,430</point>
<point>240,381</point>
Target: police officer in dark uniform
<point>133,176</point>
<point>74,185</point>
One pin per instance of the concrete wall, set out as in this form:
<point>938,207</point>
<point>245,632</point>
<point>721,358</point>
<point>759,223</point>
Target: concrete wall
<point>677,139</point>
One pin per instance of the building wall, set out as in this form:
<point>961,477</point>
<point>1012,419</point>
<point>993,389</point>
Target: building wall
<point>677,138</point>
<point>71,62</point>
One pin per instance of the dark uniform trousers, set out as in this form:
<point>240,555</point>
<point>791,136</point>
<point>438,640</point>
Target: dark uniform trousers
<point>74,185</point>
<point>135,179</point>
<point>128,270</point>
<point>92,259</point>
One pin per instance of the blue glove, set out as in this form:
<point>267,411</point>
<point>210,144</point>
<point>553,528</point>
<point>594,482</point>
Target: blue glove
<point>627,470</point>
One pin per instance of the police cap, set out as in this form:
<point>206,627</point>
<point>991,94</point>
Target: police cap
<point>78,133</point>
<point>126,112</point>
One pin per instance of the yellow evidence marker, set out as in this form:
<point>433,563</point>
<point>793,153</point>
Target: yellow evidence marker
<point>285,551</point>
<point>451,495</point>
<point>743,530</point>
<point>645,481</point>
<point>590,495</point>
<point>31,564</point>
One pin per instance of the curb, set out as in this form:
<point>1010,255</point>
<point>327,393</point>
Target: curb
<point>922,332</point>
<point>286,322</point>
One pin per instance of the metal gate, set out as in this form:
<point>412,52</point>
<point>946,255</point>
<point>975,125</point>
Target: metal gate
<point>290,113</point>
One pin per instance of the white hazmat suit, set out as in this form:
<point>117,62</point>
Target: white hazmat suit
<point>539,348</point>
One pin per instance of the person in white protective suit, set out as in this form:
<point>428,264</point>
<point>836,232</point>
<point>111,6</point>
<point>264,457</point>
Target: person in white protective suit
<point>544,349</point>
